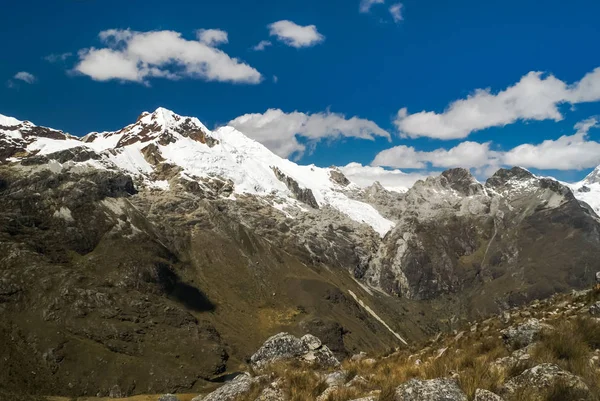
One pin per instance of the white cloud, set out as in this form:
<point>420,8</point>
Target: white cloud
<point>262,45</point>
<point>535,97</point>
<point>365,5</point>
<point>25,77</point>
<point>54,58</point>
<point>212,37</point>
<point>278,130</point>
<point>396,12</point>
<point>295,35</point>
<point>139,56</point>
<point>275,79</point>
<point>569,152</point>
<point>466,154</point>
<point>393,180</point>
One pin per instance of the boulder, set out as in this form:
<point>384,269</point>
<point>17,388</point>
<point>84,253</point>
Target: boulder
<point>358,357</point>
<point>328,393</point>
<point>337,378</point>
<point>543,376</point>
<point>232,390</point>
<point>595,309</point>
<point>521,335</point>
<point>441,389</point>
<point>168,397</point>
<point>284,346</point>
<point>486,395</point>
<point>274,392</point>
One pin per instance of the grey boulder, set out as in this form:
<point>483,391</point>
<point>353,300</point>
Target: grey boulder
<point>441,389</point>
<point>284,346</point>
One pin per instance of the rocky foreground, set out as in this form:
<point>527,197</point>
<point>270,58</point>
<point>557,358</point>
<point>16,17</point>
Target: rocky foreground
<point>548,350</point>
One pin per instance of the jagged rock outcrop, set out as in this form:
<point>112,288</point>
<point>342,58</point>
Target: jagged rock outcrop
<point>524,334</point>
<point>304,195</point>
<point>165,229</point>
<point>542,377</point>
<point>442,389</point>
<point>486,395</point>
<point>338,177</point>
<point>240,385</point>
<point>284,346</point>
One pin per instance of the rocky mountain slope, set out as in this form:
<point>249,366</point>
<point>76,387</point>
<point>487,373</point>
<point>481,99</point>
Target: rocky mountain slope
<point>180,249</point>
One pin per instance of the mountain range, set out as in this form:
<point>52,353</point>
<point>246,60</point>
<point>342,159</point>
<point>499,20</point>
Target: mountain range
<point>180,249</point>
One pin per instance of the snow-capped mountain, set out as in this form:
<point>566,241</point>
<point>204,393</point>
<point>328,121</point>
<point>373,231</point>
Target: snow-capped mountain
<point>166,229</point>
<point>163,137</point>
<point>588,189</point>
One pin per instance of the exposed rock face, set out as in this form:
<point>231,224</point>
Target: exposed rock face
<point>232,390</point>
<point>304,195</point>
<point>168,397</point>
<point>523,334</point>
<point>119,245</point>
<point>430,390</point>
<point>453,234</point>
<point>543,376</point>
<point>338,177</point>
<point>284,346</point>
<point>485,395</point>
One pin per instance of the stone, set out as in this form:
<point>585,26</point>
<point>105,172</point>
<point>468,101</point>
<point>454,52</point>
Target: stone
<point>523,334</point>
<point>357,381</point>
<point>273,392</point>
<point>441,389</point>
<point>367,398</point>
<point>311,342</point>
<point>329,391</point>
<point>168,397</point>
<point>369,361</point>
<point>115,392</point>
<point>284,346</point>
<point>595,309</point>
<point>543,376</point>
<point>232,390</point>
<point>358,357</point>
<point>486,395</point>
<point>337,378</point>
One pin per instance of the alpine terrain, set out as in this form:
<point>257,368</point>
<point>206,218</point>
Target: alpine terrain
<point>158,258</point>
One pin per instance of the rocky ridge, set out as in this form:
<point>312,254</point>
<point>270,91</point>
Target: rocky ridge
<point>165,229</point>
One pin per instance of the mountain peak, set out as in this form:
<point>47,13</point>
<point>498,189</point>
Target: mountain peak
<point>593,177</point>
<point>6,121</point>
<point>502,176</point>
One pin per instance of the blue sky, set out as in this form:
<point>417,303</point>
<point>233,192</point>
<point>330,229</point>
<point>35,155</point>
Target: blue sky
<point>334,60</point>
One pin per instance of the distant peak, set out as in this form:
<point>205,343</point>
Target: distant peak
<point>7,121</point>
<point>462,181</point>
<point>503,175</point>
<point>593,177</point>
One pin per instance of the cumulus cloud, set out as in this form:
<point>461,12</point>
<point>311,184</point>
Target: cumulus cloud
<point>569,152</point>
<point>396,12</point>
<point>25,77</point>
<point>393,180</point>
<point>295,35</point>
<point>139,56</point>
<point>278,130</point>
<point>55,58</point>
<point>365,5</point>
<point>466,154</point>
<point>212,37</point>
<point>535,97</point>
<point>262,45</point>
